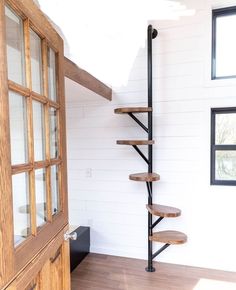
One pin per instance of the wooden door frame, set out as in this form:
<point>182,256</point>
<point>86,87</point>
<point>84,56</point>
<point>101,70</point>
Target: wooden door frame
<point>6,217</point>
<point>21,256</point>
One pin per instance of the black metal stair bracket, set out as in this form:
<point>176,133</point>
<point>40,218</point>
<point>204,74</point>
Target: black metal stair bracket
<point>141,153</point>
<point>138,122</point>
<point>158,253</point>
<point>157,222</point>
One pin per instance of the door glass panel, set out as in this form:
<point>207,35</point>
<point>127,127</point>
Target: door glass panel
<point>225,165</point>
<point>36,62</point>
<point>41,197</point>
<point>53,133</point>
<point>21,208</point>
<point>52,79</point>
<point>15,47</point>
<point>55,190</point>
<point>18,128</point>
<point>39,132</point>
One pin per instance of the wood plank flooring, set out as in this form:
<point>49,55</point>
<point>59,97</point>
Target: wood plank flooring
<point>102,272</point>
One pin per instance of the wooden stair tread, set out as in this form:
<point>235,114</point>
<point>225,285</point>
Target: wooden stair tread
<point>135,142</point>
<point>148,177</point>
<point>132,110</point>
<point>163,210</point>
<point>169,237</point>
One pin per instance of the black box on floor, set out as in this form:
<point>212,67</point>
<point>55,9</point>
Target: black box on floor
<point>79,248</point>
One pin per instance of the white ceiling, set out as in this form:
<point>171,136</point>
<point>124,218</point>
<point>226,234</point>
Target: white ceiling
<point>101,36</point>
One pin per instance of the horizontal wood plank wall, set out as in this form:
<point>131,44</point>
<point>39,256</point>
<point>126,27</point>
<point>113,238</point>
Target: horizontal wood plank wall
<point>101,194</point>
<point>73,72</point>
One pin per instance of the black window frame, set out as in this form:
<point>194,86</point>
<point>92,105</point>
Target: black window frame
<point>218,13</point>
<point>224,147</point>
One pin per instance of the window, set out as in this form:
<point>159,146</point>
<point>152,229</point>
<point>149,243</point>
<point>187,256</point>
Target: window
<point>223,146</point>
<point>34,112</point>
<point>223,43</point>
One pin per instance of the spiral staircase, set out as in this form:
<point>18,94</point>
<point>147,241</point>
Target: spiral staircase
<point>168,237</point>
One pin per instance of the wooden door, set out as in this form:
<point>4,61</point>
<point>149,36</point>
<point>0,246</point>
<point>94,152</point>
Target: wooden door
<point>47,271</point>
<point>33,181</point>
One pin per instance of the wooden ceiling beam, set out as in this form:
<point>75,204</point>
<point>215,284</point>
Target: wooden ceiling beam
<point>82,77</point>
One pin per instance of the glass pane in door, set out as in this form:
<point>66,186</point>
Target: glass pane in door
<point>52,78</point>
<point>41,197</point>
<point>39,132</point>
<point>53,133</point>
<point>21,207</point>
<point>36,62</point>
<point>55,190</point>
<point>15,47</point>
<point>18,128</point>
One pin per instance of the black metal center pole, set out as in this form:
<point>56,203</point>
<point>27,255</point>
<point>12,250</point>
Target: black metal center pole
<point>151,33</point>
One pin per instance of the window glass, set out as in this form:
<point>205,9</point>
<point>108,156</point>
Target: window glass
<point>39,132</point>
<point>40,196</point>
<point>21,207</point>
<point>53,133</point>
<point>15,47</point>
<point>36,62</point>
<point>225,128</point>
<point>224,44</point>
<point>52,80</point>
<point>18,128</point>
<point>55,190</point>
<point>223,146</point>
<point>225,165</point>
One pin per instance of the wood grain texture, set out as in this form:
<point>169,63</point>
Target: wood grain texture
<point>45,276</point>
<point>33,245</point>
<point>6,220</point>
<point>13,261</point>
<point>56,270</point>
<point>148,177</point>
<point>169,237</point>
<point>65,248</point>
<point>82,77</point>
<point>34,18</point>
<point>18,88</point>
<point>62,134</point>
<point>27,54</point>
<point>41,269</point>
<point>103,272</point>
<point>135,142</point>
<point>40,98</point>
<point>163,210</point>
<point>132,110</point>
<point>21,168</point>
<point>32,205</point>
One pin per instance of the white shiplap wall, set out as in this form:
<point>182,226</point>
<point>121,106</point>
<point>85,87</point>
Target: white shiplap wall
<point>100,194</point>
